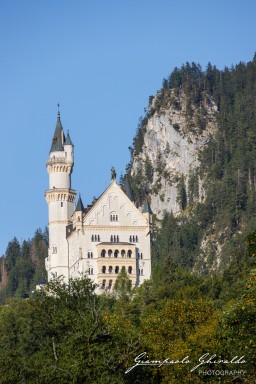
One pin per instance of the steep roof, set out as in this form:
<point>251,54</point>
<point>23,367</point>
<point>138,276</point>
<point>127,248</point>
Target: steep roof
<point>79,206</point>
<point>146,207</point>
<point>113,184</point>
<point>57,143</point>
<point>127,188</point>
<point>68,140</point>
<point>42,281</point>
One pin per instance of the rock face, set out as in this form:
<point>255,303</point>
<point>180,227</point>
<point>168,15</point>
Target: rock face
<point>174,137</point>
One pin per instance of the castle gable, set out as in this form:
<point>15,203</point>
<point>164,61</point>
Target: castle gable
<point>114,208</point>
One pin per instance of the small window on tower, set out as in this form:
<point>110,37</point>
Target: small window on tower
<point>61,204</point>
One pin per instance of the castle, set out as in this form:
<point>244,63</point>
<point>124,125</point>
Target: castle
<point>98,240</point>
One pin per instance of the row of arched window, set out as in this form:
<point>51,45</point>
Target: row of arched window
<point>114,239</point>
<point>113,217</point>
<point>134,239</point>
<point>116,253</point>
<point>114,270</point>
<point>95,238</point>
<point>104,285</point>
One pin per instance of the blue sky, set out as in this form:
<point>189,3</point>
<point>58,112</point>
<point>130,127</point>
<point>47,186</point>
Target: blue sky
<point>101,60</point>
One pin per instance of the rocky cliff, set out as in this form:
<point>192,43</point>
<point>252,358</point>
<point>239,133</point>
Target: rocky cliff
<point>168,162</point>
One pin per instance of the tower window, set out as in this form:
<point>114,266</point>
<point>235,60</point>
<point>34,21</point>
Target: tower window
<point>89,255</point>
<point>129,270</point>
<point>61,204</point>
<point>90,271</point>
<point>103,284</point>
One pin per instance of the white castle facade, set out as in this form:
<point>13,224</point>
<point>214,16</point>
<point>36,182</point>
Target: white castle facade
<point>96,241</point>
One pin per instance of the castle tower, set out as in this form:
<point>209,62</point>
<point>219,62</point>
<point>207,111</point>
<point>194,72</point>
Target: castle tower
<point>60,199</point>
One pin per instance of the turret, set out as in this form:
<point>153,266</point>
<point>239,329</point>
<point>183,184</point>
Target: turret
<point>78,215</point>
<point>146,211</point>
<point>61,199</point>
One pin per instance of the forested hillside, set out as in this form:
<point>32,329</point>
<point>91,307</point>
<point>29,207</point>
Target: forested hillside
<point>23,265</point>
<point>75,336</point>
<point>211,207</point>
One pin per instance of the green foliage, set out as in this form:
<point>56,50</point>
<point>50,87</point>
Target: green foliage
<point>182,194</point>
<point>68,334</point>
<point>24,265</point>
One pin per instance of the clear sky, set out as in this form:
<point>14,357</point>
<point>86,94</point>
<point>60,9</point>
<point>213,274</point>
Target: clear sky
<point>101,60</point>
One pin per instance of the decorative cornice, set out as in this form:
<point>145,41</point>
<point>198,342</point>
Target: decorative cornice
<point>60,194</point>
<point>114,229</point>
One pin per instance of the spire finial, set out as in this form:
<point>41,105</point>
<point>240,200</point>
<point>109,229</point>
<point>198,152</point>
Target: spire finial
<point>58,105</point>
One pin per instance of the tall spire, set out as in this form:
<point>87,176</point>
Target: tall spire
<point>57,140</point>
<point>79,205</point>
<point>68,140</point>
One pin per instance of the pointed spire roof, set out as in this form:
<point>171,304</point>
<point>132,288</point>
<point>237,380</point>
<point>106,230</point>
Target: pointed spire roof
<point>79,205</point>
<point>127,188</point>
<point>146,207</point>
<point>57,141</point>
<point>68,140</point>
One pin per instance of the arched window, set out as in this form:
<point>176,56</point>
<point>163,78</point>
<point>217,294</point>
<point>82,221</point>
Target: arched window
<point>109,253</point>
<point>113,216</point>
<point>133,239</point>
<point>130,239</point>
<point>117,238</point>
<point>110,284</point>
<point>90,271</point>
<point>111,239</point>
<point>123,253</point>
<point>92,237</point>
<point>103,284</point>
<point>98,237</point>
<point>103,269</point>
<point>116,269</point>
<point>129,270</point>
<point>136,239</point>
<point>103,253</point>
<point>110,269</point>
<point>114,239</point>
<point>129,253</point>
<point>116,253</point>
